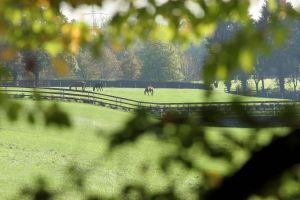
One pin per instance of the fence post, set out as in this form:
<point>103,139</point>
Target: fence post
<point>94,98</point>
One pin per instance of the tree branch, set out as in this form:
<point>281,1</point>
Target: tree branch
<point>263,166</point>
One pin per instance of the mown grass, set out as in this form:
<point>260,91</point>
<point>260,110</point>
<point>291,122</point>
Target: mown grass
<point>28,151</point>
<point>163,95</point>
<point>167,95</point>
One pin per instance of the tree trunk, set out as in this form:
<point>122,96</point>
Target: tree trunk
<point>228,85</point>
<point>15,77</point>
<point>295,83</point>
<point>244,85</point>
<point>36,79</point>
<point>263,85</point>
<point>256,86</point>
<point>281,85</point>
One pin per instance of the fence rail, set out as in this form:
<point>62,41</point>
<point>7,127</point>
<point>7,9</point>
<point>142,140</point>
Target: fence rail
<point>255,108</point>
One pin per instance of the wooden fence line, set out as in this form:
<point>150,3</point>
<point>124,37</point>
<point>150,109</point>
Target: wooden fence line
<point>257,108</point>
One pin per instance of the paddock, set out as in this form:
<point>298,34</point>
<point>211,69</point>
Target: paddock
<point>263,108</point>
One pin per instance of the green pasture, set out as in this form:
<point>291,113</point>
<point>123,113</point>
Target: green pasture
<point>28,151</point>
<point>167,95</point>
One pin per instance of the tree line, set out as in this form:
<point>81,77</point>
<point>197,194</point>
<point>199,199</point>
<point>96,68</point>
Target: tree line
<point>151,61</point>
<point>282,65</point>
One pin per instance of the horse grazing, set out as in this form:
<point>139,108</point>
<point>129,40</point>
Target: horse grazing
<point>78,84</point>
<point>149,90</point>
<point>98,86</point>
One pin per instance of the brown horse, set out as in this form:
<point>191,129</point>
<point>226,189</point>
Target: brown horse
<point>78,84</point>
<point>149,90</point>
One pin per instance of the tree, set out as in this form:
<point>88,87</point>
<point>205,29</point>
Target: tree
<point>261,67</point>
<point>243,77</point>
<point>88,65</point>
<point>12,63</point>
<point>72,63</point>
<point>188,69</point>
<point>35,62</point>
<point>160,62</point>
<point>260,72</point>
<point>104,67</point>
<point>224,33</point>
<point>291,48</point>
<point>130,65</point>
<point>192,61</point>
<point>294,73</point>
<point>109,66</point>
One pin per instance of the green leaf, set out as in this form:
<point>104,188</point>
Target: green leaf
<point>246,60</point>
<point>272,5</point>
<point>280,36</point>
<point>54,47</point>
<point>221,72</point>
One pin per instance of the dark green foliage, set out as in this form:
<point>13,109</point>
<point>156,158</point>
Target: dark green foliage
<point>35,62</point>
<point>13,110</point>
<point>130,65</point>
<point>160,62</point>
<point>55,116</point>
<point>31,117</point>
<point>77,177</point>
<point>40,191</point>
<point>264,165</point>
<point>4,73</point>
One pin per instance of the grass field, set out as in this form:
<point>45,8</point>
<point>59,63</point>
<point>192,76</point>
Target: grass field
<point>28,151</point>
<point>163,95</point>
<point>167,95</point>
